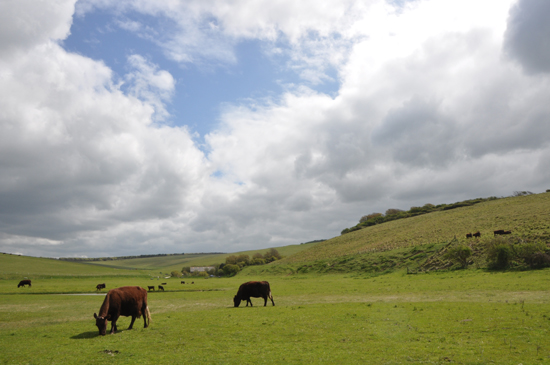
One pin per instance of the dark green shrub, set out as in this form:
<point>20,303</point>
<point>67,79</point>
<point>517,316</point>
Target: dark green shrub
<point>231,269</point>
<point>500,255</point>
<point>534,255</point>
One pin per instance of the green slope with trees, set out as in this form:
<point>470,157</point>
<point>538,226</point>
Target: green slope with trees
<point>526,216</point>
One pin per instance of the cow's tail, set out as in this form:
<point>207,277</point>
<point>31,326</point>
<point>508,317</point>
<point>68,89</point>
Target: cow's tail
<point>148,314</point>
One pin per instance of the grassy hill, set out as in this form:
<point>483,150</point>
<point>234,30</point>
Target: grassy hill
<point>18,267</point>
<point>527,216</point>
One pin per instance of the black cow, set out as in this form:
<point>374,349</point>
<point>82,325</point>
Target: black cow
<point>497,232</point>
<point>477,234</point>
<point>507,232</point>
<point>126,301</point>
<point>468,235</point>
<point>256,289</point>
<point>183,282</point>
<point>24,282</point>
<point>163,284</point>
<point>100,286</point>
<point>161,287</point>
<point>151,288</point>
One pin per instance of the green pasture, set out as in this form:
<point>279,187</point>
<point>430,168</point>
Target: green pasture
<point>461,317</point>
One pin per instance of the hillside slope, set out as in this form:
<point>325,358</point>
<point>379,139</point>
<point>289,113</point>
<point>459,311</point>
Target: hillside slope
<point>17,267</point>
<point>527,216</point>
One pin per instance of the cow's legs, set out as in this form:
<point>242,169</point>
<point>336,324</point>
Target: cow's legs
<point>249,301</point>
<point>265,300</point>
<point>132,323</point>
<point>113,327</point>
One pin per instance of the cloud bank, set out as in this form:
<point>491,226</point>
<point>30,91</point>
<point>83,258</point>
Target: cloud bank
<point>437,103</point>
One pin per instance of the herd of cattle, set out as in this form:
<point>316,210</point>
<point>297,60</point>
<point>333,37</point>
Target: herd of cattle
<point>131,301</point>
<point>495,233</point>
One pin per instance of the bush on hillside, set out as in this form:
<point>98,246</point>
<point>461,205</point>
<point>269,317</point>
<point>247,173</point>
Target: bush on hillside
<point>459,254</point>
<point>500,254</point>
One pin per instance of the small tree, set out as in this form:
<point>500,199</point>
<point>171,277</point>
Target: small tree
<point>231,260</point>
<point>370,216</point>
<point>393,211</point>
<point>231,269</point>
<point>175,274</point>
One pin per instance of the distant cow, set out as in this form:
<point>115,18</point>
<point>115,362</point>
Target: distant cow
<point>183,282</point>
<point>163,284</point>
<point>100,286</point>
<point>192,282</point>
<point>161,287</point>
<point>126,301</point>
<point>477,234</point>
<point>23,283</point>
<point>468,235</point>
<point>501,231</point>
<point>151,287</point>
<point>256,289</point>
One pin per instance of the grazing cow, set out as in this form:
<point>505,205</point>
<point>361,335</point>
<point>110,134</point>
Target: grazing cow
<point>183,282</point>
<point>468,235</point>
<point>151,287</point>
<point>161,287</point>
<point>507,232</point>
<point>126,301</point>
<point>163,284</point>
<point>497,232</point>
<point>192,282</point>
<point>24,282</point>
<point>100,286</point>
<point>256,289</point>
<point>477,234</point>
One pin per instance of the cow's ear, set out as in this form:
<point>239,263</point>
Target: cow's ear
<point>95,316</point>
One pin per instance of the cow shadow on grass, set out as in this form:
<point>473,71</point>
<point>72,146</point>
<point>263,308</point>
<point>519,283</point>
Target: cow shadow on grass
<point>84,335</point>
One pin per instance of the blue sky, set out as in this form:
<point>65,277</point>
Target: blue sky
<point>136,126</point>
<point>203,88</point>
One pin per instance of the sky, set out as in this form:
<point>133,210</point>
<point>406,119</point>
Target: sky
<point>145,127</point>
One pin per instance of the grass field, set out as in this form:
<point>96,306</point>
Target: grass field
<point>461,317</point>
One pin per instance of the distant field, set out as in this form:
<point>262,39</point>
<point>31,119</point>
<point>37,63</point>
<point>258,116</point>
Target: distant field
<point>18,267</point>
<point>177,262</point>
<point>527,216</point>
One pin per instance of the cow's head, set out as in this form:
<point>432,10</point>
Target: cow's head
<point>101,323</point>
<point>236,301</point>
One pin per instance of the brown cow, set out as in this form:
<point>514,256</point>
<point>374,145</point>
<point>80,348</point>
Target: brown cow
<point>256,289</point>
<point>100,286</point>
<point>125,301</point>
<point>468,235</point>
<point>477,234</point>
<point>22,283</point>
